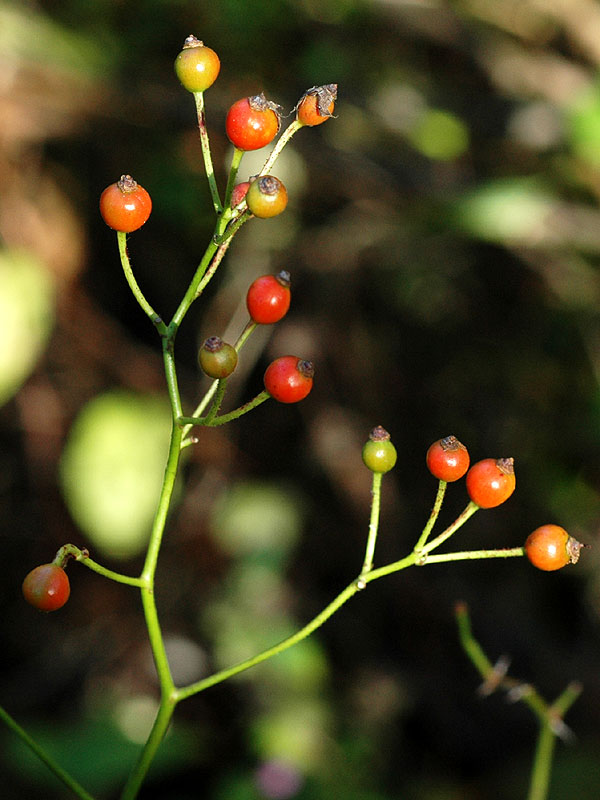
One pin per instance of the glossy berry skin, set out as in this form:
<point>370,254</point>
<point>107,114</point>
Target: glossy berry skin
<point>217,358</point>
<point>316,105</point>
<point>490,482</point>
<point>47,587</point>
<point>266,197</point>
<point>268,298</point>
<point>252,122</point>
<point>125,205</point>
<point>378,453</point>
<point>197,66</point>
<point>289,379</point>
<point>448,459</point>
<point>550,547</point>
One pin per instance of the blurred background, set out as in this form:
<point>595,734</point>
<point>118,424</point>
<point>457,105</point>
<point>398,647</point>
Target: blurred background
<point>443,236</point>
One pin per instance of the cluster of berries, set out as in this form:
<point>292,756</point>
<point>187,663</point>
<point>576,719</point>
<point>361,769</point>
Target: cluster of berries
<point>489,483</point>
<point>288,379</point>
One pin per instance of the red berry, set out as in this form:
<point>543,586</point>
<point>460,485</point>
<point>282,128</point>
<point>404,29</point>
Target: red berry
<point>317,104</point>
<point>448,459</point>
<point>252,122</point>
<point>378,453</point>
<point>289,379</point>
<point>125,205</point>
<point>240,190</point>
<point>197,66</point>
<point>217,358</point>
<point>46,587</point>
<point>491,481</point>
<point>266,197</point>
<point>268,298</point>
<point>550,547</point>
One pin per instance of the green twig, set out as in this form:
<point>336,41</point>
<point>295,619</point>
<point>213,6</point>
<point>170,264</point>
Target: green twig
<point>236,160</point>
<point>215,407</point>
<point>39,751</point>
<point>281,143</point>
<point>205,144</point>
<point>439,499</point>
<point>225,418</point>
<point>550,717</point>
<point>133,285</point>
<point>68,551</point>
<point>157,734</point>
<point>471,555</point>
<point>219,677</point>
<point>470,509</point>
<point>373,523</point>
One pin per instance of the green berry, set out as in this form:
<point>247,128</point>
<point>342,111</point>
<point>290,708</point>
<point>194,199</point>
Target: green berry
<point>379,454</point>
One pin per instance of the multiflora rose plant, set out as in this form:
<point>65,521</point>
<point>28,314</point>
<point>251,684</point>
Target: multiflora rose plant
<point>253,123</point>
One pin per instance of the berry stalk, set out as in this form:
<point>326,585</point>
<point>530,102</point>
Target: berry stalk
<point>206,155</point>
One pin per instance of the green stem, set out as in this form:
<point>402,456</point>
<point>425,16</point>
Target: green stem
<point>225,418</point>
<point>68,551</point>
<point>549,716</point>
<point>542,764</point>
<point>223,675</point>
<point>219,240</point>
<point>168,345</point>
<point>439,499</point>
<point>373,522</point>
<point>39,751</point>
<point>157,734</point>
<point>214,409</point>
<point>236,160</point>
<point>469,644</point>
<point>222,249</point>
<point>149,569</point>
<point>228,232</point>
<point>465,555</point>
<point>192,289</point>
<point>281,143</point>
<point>551,726</point>
<point>343,597</point>
<point>245,334</point>
<point>160,518</point>
<point>205,144</point>
<point>108,573</point>
<point>451,529</point>
<point>133,285</point>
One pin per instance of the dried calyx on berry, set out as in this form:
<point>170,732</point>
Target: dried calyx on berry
<point>316,104</point>
<point>259,102</point>
<point>378,453</point>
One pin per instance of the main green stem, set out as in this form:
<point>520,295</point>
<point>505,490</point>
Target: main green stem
<point>167,686</point>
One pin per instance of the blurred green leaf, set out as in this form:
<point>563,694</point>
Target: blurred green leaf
<point>27,314</point>
<point>583,125</point>
<point>257,518</point>
<point>440,135</point>
<point>112,469</point>
<point>505,209</point>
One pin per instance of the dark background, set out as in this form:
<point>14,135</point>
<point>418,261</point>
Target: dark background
<point>443,238</point>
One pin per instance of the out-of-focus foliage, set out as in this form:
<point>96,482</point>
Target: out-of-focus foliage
<point>444,242</point>
<point>112,469</point>
<point>26,310</point>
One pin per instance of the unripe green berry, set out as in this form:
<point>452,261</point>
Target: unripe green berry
<point>379,454</point>
<point>217,358</point>
<point>197,66</point>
